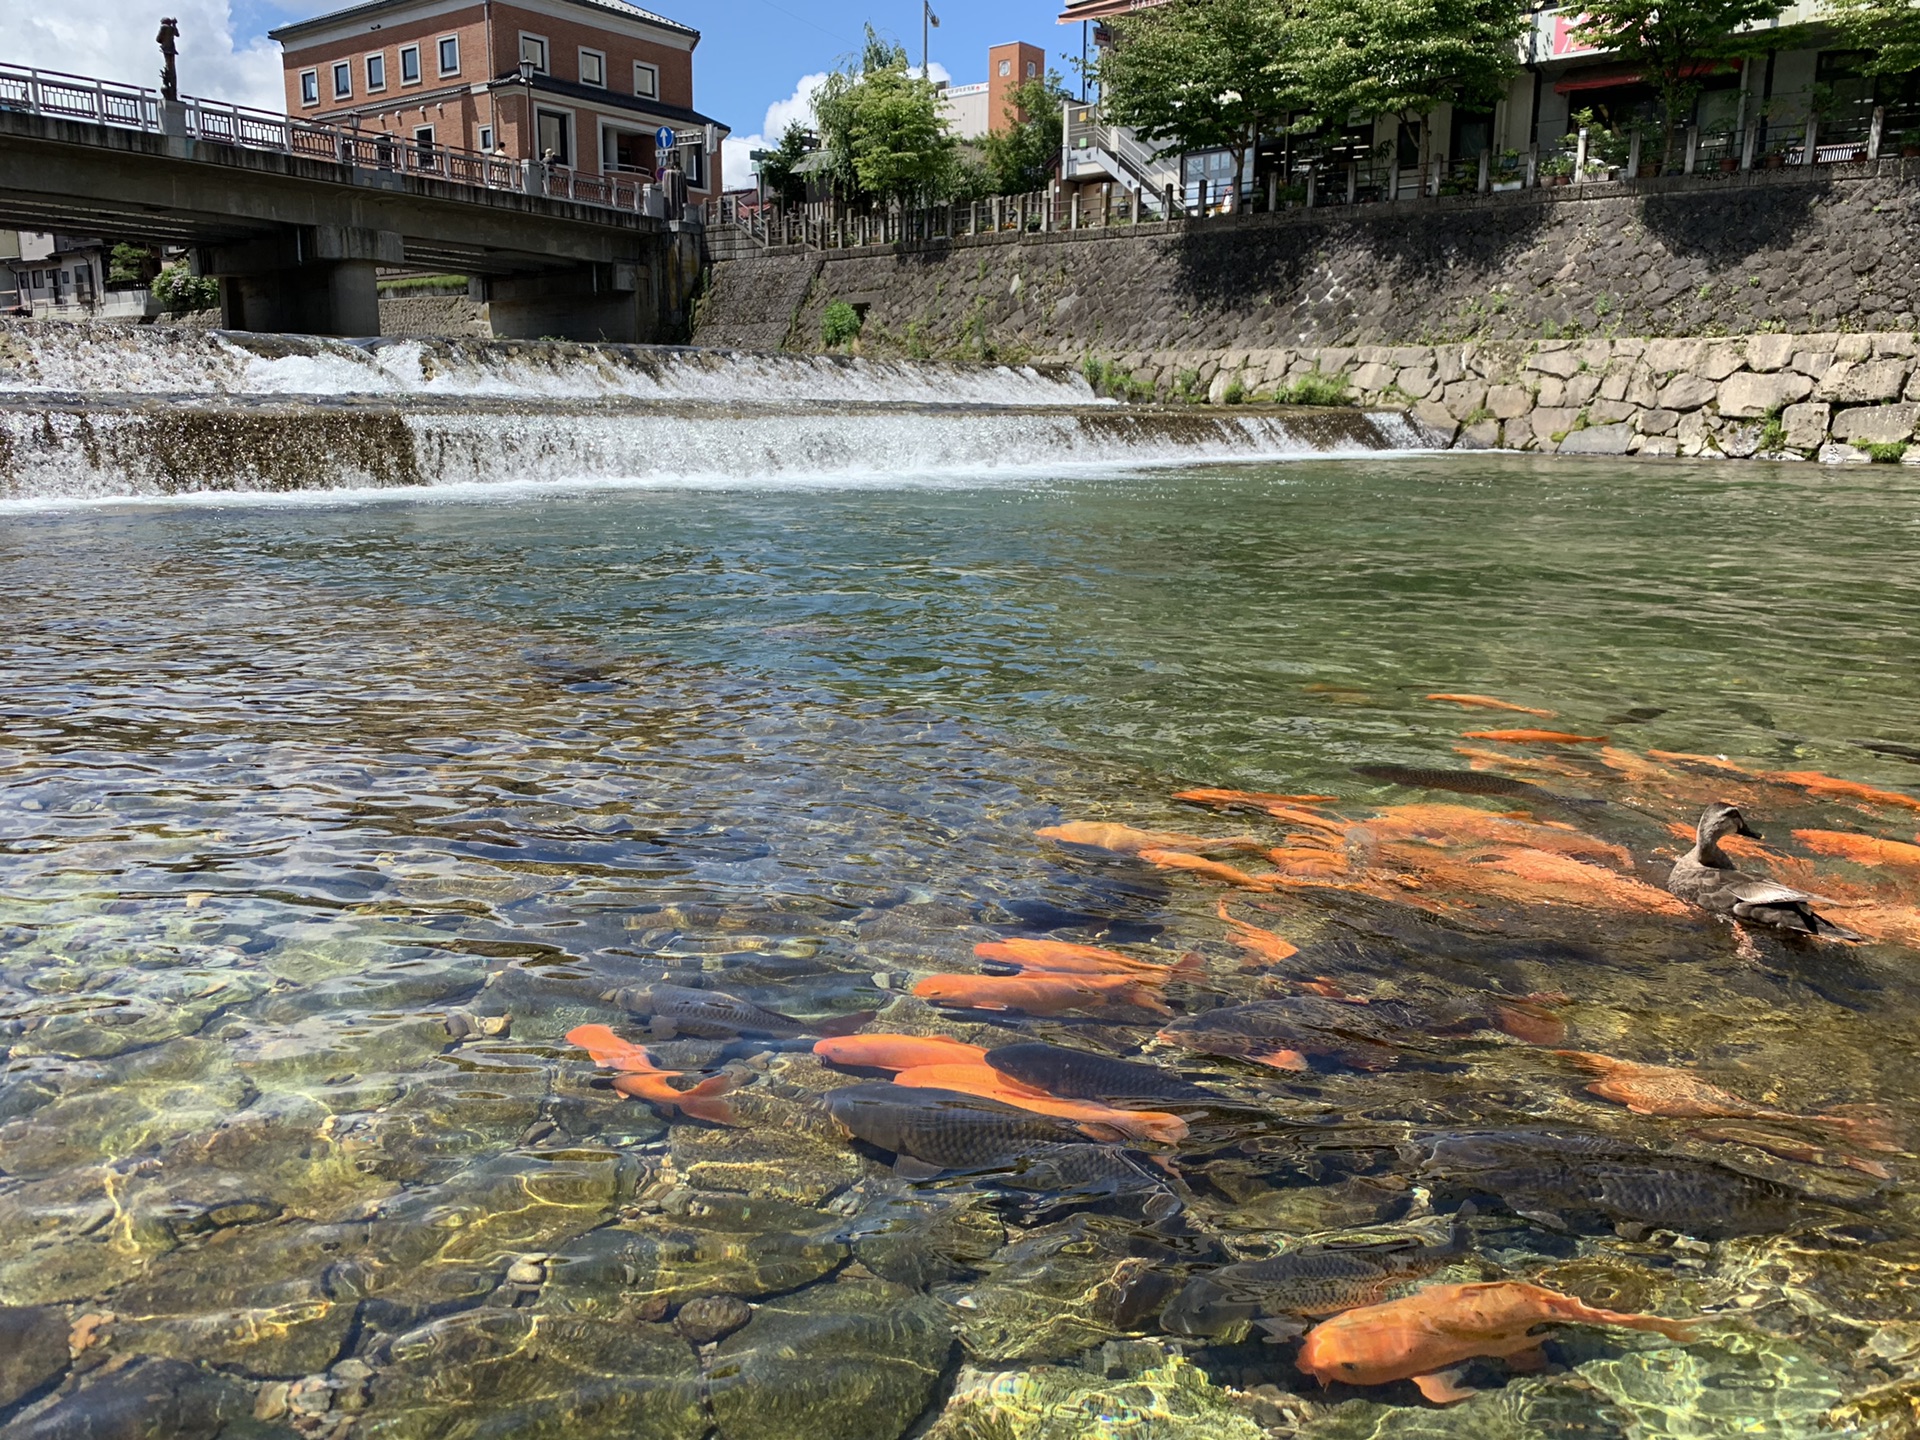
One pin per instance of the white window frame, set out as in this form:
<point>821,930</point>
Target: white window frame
<point>440,54</point>
<point>419,71</point>
<point>309,87</point>
<point>652,72</point>
<point>572,160</point>
<point>599,55</point>
<point>342,67</point>
<point>486,139</point>
<point>424,159</point>
<point>544,66</point>
<point>697,173</point>
<point>378,57</point>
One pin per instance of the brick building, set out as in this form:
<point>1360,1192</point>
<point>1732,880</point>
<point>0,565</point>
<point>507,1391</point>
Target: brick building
<point>586,83</point>
<point>972,111</point>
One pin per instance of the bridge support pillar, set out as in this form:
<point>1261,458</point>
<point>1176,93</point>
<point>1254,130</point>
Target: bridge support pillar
<point>317,280</point>
<point>640,301</point>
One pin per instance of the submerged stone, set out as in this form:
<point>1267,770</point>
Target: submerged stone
<point>491,1374</point>
<point>1175,1401</point>
<point>149,1400</point>
<point>857,1360</point>
<point>33,1350</point>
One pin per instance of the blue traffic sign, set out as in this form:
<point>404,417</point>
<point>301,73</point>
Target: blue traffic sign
<point>663,137</point>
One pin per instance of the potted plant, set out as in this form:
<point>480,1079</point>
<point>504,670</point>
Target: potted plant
<point>1909,145</point>
<point>1556,169</point>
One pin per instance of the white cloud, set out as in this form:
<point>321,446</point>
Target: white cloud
<point>114,40</point>
<point>780,114</point>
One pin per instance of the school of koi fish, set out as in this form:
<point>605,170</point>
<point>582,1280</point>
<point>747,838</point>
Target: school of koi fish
<point>1161,1058</point>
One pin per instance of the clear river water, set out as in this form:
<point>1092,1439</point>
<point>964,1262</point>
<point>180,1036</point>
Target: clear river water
<point>327,820</point>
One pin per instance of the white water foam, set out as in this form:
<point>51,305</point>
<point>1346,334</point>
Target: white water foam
<point>40,359</point>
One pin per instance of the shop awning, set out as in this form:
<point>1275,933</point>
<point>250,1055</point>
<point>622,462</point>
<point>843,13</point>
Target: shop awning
<point>1613,78</point>
<point>1101,9</point>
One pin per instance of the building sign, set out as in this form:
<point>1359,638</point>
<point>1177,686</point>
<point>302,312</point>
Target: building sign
<point>1564,24</point>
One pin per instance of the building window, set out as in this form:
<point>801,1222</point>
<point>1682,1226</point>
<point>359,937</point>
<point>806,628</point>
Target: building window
<point>486,139</point>
<point>423,147</point>
<point>593,68</point>
<point>309,87</point>
<point>1032,70</point>
<point>693,160</point>
<point>1006,69</point>
<point>342,80</point>
<point>410,65</point>
<point>450,55</point>
<point>554,131</point>
<point>533,51</point>
<point>646,81</point>
<point>376,72</point>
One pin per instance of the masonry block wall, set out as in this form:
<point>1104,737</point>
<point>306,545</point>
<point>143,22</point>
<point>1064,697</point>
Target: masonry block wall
<point>1694,256</point>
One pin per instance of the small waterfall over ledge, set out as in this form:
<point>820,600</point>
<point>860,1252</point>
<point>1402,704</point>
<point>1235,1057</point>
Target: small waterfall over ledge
<point>89,413</point>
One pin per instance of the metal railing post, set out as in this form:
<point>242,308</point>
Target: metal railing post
<point>1633,155</point>
<point>1812,140</point>
<point>1693,148</point>
<point>1748,137</point>
<point>1874,131</point>
<point>1580,159</point>
<point>1533,166</point>
<point>1483,183</point>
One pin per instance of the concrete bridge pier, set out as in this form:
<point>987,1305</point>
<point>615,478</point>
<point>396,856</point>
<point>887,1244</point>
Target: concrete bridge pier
<point>635,302</point>
<point>307,280</point>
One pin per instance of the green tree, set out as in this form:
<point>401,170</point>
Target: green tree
<point>882,125</point>
<point>1204,74</point>
<point>1889,28</point>
<point>776,170</point>
<point>1409,57</point>
<point>1671,41</point>
<point>1022,157</point>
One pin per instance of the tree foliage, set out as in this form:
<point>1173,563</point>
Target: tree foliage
<point>1670,41</point>
<point>882,124</point>
<point>1408,57</point>
<point>1889,28</point>
<point>776,170</point>
<point>1204,74</point>
<point>1022,157</point>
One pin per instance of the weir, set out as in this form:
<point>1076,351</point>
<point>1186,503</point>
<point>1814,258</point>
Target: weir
<point>86,414</point>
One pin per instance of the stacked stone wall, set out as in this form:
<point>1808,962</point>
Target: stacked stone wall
<point>1828,395</point>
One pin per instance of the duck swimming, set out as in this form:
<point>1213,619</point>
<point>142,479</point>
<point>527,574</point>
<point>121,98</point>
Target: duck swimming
<point>1706,877</point>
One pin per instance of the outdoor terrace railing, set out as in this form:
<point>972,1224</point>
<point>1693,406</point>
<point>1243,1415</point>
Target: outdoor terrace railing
<point>133,107</point>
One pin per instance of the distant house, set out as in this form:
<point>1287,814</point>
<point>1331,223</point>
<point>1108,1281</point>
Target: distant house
<point>972,111</point>
<point>582,84</point>
<point>65,277</point>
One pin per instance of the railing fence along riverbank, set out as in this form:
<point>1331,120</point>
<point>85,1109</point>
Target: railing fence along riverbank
<point>1338,179</point>
<point>135,107</point>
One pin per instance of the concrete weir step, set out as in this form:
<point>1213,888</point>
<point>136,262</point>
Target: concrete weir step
<point>752,306</point>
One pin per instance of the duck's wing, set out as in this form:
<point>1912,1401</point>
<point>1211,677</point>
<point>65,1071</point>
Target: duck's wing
<point>1764,902</point>
<point>1766,892</point>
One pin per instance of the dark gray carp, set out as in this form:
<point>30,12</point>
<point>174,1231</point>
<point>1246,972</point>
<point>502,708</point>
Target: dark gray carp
<point>943,1128</point>
<point>1312,1281</point>
<point>1462,782</point>
<point>1083,1075</point>
<point>715,1015</point>
<point>1564,1180</point>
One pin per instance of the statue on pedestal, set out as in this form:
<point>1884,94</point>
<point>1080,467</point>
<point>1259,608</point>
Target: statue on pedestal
<point>169,77</point>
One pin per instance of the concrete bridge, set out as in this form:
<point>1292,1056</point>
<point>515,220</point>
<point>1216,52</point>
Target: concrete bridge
<point>293,218</point>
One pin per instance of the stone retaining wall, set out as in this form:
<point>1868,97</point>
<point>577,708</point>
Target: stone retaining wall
<point>1820,396</point>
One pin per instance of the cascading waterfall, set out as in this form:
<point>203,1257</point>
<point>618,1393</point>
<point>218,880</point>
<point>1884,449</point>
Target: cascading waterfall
<point>92,413</point>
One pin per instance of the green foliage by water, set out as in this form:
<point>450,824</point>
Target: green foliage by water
<point>1314,388</point>
<point>1021,157</point>
<point>882,126</point>
<point>132,264</point>
<point>179,290</point>
<point>1666,41</point>
<point>776,171</point>
<point>839,325</point>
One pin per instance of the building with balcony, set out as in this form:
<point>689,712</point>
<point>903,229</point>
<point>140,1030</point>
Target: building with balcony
<point>583,85</point>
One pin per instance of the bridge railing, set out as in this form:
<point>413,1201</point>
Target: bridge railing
<point>134,107</point>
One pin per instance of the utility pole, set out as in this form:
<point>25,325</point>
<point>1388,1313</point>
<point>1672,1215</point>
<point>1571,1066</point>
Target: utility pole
<point>928,22</point>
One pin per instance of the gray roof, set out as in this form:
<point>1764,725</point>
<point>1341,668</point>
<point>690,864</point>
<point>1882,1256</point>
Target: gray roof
<point>376,7</point>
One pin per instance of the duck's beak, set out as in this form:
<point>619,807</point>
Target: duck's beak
<point>1747,830</point>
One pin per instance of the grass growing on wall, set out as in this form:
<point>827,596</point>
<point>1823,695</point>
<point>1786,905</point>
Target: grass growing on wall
<point>839,325</point>
<point>424,284</point>
<point>1314,388</point>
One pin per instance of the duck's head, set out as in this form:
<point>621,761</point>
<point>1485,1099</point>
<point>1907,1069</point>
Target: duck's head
<point>1720,820</point>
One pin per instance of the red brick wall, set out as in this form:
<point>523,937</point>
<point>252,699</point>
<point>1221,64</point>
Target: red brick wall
<point>1000,88</point>
<point>457,114</point>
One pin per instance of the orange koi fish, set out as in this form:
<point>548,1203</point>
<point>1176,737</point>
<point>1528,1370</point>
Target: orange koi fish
<point>1102,1122</point>
<point>1289,808</point>
<point>1710,762</point>
<point>1463,825</point>
<point>1426,1333</point>
<point>1487,702</point>
<point>1818,784</point>
<point>1534,737</point>
<point>1043,994</point>
<point>1862,849</point>
<point>1058,957</point>
<point>1125,840</point>
<point>1196,865</point>
<point>897,1052</point>
<point>1258,943</point>
<point>1675,1093</point>
<point>641,1079</point>
<point>1535,764</point>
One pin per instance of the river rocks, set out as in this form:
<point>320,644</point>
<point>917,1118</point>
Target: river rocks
<point>148,1400</point>
<point>857,1360</point>
<point>493,1372</point>
<point>1598,440</point>
<point>711,1317</point>
<point>33,1350</point>
<point>1687,392</point>
<point>1877,424</point>
<point>1805,425</point>
<point>1171,1401</point>
<point>288,1330</point>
